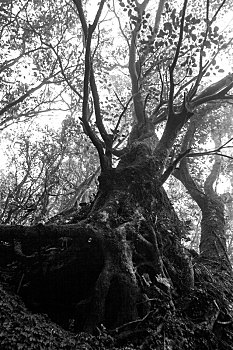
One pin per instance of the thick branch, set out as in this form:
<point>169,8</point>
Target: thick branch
<point>95,140</point>
<point>99,121</point>
<point>79,6</point>
<point>134,66</point>
<point>173,65</point>
<point>98,14</point>
<point>182,173</point>
<point>216,91</point>
<point>89,76</point>
<point>43,232</point>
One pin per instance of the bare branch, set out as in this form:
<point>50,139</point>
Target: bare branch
<point>120,117</point>
<point>24,96</point>
<point>218,10</point>
<point>120,26</point>
<point>64,74</point>
<point>216,151</point>
<point>172,167</point>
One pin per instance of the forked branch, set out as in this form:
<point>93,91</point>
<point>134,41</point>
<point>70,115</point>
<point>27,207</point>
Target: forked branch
<point>89,80</point>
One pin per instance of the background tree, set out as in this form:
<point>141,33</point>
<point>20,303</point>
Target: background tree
<point>45,175</point>
<point>139,275</point>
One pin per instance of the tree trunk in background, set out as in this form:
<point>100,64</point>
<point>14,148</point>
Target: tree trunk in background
<point>213,240</point>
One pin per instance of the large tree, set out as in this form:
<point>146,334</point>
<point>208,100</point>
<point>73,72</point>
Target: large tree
<point>120,261</point>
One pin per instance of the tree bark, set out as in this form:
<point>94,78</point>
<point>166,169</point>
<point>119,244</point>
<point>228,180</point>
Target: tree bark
<point>123,260</point>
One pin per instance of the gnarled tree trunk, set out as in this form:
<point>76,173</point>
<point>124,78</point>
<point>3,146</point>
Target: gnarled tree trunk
<point>124,262</point>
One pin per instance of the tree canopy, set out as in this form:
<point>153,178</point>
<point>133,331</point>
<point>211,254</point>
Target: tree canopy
<point>116,177</point>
